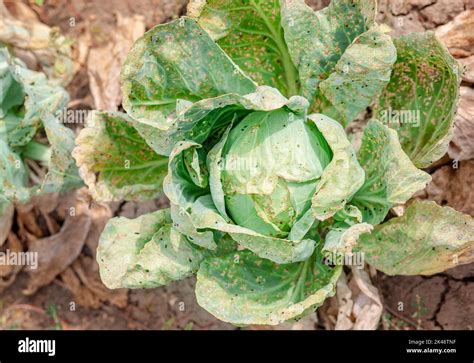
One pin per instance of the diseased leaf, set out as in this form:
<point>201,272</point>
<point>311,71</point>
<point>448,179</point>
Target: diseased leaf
<point>115,162</point>
<point>318,40</point>
<point>359,76</point>
<point>242,289</point>
<point>176,61</point>
<point>427,239</point>
<point>391,178</point>
<point>250,32</point>
<point>145,252</point>
<point>420,99</point>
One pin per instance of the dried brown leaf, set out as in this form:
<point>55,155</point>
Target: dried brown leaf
<point>359,302</point>
<point>367,306</point>
<point>104,63</point>
<point>344,298</point>
<point>57,252</point>
<point>82,279</point>
<point>7,272</point>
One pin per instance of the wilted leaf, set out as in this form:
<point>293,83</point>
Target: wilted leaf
<point>367,305</point>
<point>104,63</point>
<point>343,58</point>
<point>62,171</point>
<point>34,91</point>
<point>13,176</point>
<point>360,307</point>
<point>342,240</point>
<point>359,76</point>
<point>317,40</point>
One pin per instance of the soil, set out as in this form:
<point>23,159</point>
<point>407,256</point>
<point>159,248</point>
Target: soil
<point>443,301</point>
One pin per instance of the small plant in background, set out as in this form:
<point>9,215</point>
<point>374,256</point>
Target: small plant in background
<point>239,109</point>
<point>35,148</point>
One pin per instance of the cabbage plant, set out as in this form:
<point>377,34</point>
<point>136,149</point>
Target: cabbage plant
<point>30,130</point>
<point>238,111</point>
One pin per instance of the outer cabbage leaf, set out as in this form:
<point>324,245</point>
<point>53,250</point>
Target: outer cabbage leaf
<point>250,33</point>
<point>317,40</point>
<point>391,178</point>
<point>427,239</point>
<point>359,76</point>
<point>243,289</point>
<point>421,97</point>
<point>344,60</point>
<point>115,162</point>
<point>145,252</point>
<point>176,61</point>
